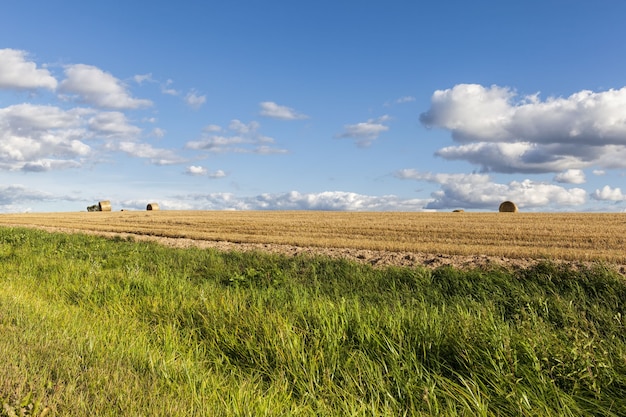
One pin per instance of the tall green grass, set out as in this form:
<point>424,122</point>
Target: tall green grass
<point>109,327</point>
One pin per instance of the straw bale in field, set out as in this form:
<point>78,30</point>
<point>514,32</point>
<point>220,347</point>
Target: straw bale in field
<point>508,207</point>
<point>104,205</point>
<point>152,206</point>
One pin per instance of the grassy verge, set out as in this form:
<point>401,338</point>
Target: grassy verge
<point>94,326</point>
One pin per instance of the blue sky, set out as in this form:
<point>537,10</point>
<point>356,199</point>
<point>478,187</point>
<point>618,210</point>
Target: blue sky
<point>326,105</point>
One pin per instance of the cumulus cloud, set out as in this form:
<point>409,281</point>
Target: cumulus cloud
<point>39,138</point>
<point>365,132</point>
<point>571,176</point>
<point>332,200</point>
<point>294,200</point>
<point>218,144</point>
<point>509,158</point>
<point>200,171</point>
<point>239,137</point>
<point>113,124</point>
<point>609,194</point>
<point>478,191</point>
<point>502,132</point>
<point>30,118</point>
<point>273,110</point>
<point>17,72</point>
<point>43,165</point>
<point>196,170</point>
<point>33,137</point>
<point>241,128</point>
<point>194,100</point>
<point>93,86</point>
<point>157,156</point>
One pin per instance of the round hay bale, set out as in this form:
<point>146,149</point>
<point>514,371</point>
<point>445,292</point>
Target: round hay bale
<point>458,211</point>
<point>508,207</point>
<point>104,205</point>
<point>152,206</point>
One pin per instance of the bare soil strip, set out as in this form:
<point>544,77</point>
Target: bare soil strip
<point>376,258</point>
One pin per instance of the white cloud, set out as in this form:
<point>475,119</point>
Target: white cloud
<point>366,132</point>
<point>241,128</point>
<point>294,200</point>
<point>212,201</point>
<point>141,78</point>
<point>29,118</point>
<point>513,157</point>
<point>93,86</point>
<point>156,156</point>
<point>44,165</point>
<point>37,138</point>
<point>472,112</point>
<point>16,72</point>
<point>196,170</point>
<point>477,191</point>
<point>217,174</point>
<point>329,200</point>
<point>599,172</point>
<point>194,100</point>
<point>610,194</point>
<point>113,124</point>
<point>571,176</point>
<point>273,110</point>
<point>554,135</point>
<point>200,171</point>
<point>217,144</point>
<point>244,138</point>
<point>164,204</point>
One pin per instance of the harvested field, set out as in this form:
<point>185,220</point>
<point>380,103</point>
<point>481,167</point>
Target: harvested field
<point>433,239</point>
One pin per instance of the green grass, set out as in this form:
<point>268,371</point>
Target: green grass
<point>108,327</point>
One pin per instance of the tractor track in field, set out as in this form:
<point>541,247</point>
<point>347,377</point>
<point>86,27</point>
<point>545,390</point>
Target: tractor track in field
<point>375,258</point>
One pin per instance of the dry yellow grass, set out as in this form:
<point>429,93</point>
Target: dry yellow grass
<point>567,236</point>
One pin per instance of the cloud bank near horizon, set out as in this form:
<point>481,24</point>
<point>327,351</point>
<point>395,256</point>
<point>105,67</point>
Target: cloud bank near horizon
<point>18,198</point>
<point>479,191</point>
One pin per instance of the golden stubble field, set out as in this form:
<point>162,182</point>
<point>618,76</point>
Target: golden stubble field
<point>574,237</point>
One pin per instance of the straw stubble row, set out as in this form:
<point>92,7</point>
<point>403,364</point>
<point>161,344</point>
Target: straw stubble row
<point>569,236</point>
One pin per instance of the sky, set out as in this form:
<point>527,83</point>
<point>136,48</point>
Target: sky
<point>396,105</point>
